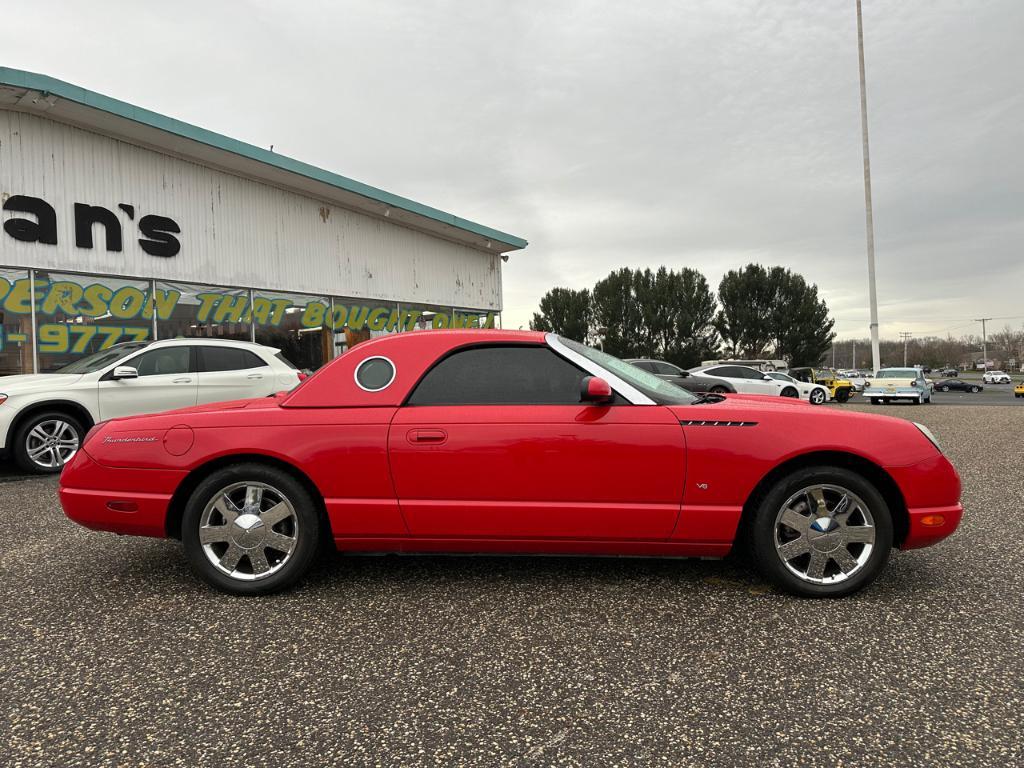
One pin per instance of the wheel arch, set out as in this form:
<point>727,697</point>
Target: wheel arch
<point>874,473</point>
<point>176,507</point>
<point>69,407</point>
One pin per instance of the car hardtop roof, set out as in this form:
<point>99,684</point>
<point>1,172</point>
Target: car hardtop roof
<point>457,337</point>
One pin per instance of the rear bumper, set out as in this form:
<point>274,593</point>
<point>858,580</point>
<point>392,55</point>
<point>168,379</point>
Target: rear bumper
<point>93,509</point>
<point>128,501</point>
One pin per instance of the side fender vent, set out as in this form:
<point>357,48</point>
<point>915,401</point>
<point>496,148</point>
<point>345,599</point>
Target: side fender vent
<point>711,423</point>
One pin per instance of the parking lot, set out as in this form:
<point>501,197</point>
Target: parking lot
<point>114,655</point>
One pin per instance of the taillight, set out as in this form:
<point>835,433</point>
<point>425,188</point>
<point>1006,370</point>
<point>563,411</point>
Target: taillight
<point>302,377</point>
<point>2,399</point>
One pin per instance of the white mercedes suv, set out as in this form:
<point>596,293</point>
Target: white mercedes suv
<point>44,416</point>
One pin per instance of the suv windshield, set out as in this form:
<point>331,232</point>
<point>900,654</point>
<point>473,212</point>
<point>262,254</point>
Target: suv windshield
<point>659,390</point>
<point>103,358</point>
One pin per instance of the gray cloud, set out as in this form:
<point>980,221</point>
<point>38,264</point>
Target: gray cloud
<point>704,134</point>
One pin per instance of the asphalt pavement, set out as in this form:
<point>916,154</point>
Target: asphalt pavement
<point>111,654</point>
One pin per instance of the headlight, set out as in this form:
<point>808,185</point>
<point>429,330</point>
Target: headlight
<point>928,433</point>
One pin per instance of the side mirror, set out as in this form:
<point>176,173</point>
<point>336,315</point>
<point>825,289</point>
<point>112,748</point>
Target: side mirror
<point>766,377</point>
<point>124,372</point>
<point>684,374</point>
<point>596,390</point>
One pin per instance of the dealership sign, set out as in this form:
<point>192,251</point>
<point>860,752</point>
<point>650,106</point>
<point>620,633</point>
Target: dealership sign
<point>158,232</point>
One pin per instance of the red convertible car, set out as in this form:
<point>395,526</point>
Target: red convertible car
<point>514,442</point>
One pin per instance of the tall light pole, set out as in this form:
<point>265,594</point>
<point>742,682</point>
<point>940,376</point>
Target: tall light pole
<point>875,355</point>
<point>905,335</point>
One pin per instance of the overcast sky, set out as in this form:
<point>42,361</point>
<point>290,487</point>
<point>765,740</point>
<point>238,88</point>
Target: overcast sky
<point>701,134</point>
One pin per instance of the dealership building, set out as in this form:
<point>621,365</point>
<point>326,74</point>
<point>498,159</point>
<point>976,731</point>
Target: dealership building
<point>122,224</point>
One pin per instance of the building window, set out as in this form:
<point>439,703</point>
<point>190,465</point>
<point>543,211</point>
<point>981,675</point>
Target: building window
<point>296,324</point>
<point>357,320</point>
<point>78,315</point>
<point>202,311</point>
<point>15,322</point>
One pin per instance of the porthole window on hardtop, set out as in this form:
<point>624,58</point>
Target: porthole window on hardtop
<point>501,376</point>
<point>375,373</point>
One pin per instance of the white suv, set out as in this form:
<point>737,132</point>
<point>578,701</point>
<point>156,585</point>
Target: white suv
<point>995,377</point>
<point>44,416</point>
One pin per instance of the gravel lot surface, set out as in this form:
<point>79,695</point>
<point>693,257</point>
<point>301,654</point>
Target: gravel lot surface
<point>111,654</point>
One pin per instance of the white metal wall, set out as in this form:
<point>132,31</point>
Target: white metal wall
<point>235,231</point>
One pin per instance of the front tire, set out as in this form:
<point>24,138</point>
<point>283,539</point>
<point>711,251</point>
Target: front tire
<point>250,529</point>
<point>789,392</point>
<point>821,532</point>
<point>975,390</point>
<point>47,441</point>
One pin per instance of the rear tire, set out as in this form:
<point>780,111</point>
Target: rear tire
<point>975,390</point>
<point>792,536</point>
<point>250,529</point>
<point>47,441</point>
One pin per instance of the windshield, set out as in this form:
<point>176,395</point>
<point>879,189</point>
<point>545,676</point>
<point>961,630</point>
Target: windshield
<point>103,358</point>
<point>897,373</point>
<point>659,390</point>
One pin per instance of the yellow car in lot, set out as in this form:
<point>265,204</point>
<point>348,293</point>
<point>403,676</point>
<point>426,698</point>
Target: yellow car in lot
<point>839,389</point>
<point>1018,391</point>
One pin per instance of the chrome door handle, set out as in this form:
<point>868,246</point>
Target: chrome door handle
<point>185,380</point>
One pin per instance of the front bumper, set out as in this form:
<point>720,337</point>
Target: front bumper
<point>923,531</point>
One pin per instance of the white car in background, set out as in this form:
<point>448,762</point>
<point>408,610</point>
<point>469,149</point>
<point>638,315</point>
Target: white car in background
<point>813,393</point>
<point>745,379</point>
<point>44,416</point>
<point>995,377</point>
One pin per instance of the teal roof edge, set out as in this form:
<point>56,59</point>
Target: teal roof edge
<point>50,85</point>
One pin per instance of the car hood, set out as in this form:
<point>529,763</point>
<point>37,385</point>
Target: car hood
<point>33,382</point>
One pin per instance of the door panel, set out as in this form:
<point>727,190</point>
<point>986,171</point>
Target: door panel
<point>146,394</point>
<point>528,471</point>
<point>166,381</point>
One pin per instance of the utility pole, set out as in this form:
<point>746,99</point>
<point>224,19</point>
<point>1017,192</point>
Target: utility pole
<point>854,354</point>
<point>984,341</point>
<point>869,218</point>
<point>833,355</point>
<point>905,336</point>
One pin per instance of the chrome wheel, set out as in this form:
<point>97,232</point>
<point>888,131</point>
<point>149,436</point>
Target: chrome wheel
<point>824,534</point>
<point>248,530</point>
<point>51,443</point>
<point>817,396</point>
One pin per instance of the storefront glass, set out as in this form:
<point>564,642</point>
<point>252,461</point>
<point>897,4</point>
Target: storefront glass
<point>297,324</point>
<point>203,311</point>
<point>15,322</point>
<point>77,315</point>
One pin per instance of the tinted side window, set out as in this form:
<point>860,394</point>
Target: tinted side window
<point>666,369</point>
<point>212,359</point>
<point>164,361</point>
<point>731,372</point>
<point>645,365</point>
<point>500,376</point>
